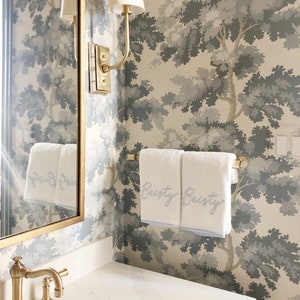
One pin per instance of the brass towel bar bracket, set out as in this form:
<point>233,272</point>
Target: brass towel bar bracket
<point>240,163</point>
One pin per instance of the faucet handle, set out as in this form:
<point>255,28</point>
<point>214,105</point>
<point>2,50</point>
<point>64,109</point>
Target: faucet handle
<point>18,263</point>
<point>17,259</point>
<point>18,269</point>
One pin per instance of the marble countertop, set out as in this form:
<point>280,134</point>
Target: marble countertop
<point>117,281</point>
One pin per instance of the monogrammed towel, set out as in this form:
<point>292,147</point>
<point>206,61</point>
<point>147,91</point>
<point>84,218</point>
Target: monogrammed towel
<point>206,192</point>
<point>42,172</point>
<point>160,186</point>
<point>65,191</point>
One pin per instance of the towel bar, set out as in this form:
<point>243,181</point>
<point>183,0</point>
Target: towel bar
<point>240,163</point>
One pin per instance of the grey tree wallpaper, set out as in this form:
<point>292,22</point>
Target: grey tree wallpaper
<point>101,131</point>
<point>43,105</point>
<point>210,75</point>
<point>219,76</point>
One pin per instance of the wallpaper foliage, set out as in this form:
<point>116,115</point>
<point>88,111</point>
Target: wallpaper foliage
<point>101,127</point>
<point>43,101</point>
<point>212,75</point>
<point>218,76</point>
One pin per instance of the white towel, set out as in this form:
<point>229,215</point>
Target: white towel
<point>234,176</point>
<point>65,192</point>
<point>41,172</point>
<point>160,186</point>
<point>206,192</point>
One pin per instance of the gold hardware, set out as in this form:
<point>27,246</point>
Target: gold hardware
<point>46,284</point>
<point>102,77</point>
<point>132,156</point>
<point>99,61</point>
<point>18,271</point>
<point>105,64</point>
<point>240,163</point>
<point>75,24</point>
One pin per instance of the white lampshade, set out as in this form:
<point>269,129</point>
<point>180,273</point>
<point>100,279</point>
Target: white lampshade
<point>68,10</point>
<point>136,6</point>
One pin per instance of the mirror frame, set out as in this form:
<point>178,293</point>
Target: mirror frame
<point>81,83</point>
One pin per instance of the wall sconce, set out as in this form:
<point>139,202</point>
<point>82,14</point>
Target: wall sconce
<point>99,56</point>
<point>68,13</point>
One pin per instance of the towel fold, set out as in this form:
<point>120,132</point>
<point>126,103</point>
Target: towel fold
<point>234,176</point>
<point>160,186</point>
<point>51,175</point>
<point>41,172</point>
<point>206,192</point>
<point>65,191</point>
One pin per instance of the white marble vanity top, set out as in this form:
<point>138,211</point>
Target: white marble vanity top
<point>117,281</point>
<point>93,276</point>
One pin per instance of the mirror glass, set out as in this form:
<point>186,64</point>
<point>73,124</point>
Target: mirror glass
<point>41,117</point>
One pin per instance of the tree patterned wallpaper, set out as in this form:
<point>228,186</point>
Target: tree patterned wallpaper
<point>209,75</point>
<point>219,75</point>
<point>101,128</point>
<point>43,101</point>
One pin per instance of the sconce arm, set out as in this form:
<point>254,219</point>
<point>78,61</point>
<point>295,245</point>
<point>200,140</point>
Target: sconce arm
<point>106,68</point>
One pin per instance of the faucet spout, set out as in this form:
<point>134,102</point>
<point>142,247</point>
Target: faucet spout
<point>59,289</point>
<point>18,271</point>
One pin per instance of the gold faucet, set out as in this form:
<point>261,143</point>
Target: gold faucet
<point>18,271</point>
<point>46,284</point>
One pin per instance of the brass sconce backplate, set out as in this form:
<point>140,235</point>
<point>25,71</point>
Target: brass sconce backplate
<point>99,80</point>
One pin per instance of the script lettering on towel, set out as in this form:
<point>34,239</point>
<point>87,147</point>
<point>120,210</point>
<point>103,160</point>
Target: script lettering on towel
<point>165,193</point>
<point>65,182</point>
<point>49,179</point>
<point>189,197</point>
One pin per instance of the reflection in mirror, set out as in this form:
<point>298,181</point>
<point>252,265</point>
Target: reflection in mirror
<point>40,116</point>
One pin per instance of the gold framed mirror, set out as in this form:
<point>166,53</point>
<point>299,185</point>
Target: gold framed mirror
<point>42,118</point>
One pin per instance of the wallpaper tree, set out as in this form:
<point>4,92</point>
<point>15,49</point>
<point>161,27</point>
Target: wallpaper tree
<point>48,62</point>
<point>43,108</point>
<point>226,31</point>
